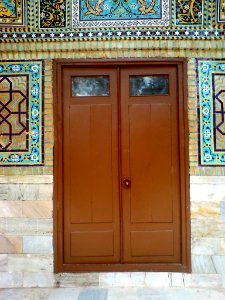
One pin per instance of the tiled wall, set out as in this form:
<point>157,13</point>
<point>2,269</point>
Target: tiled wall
<point>26,132</point>
<point>27,146</point>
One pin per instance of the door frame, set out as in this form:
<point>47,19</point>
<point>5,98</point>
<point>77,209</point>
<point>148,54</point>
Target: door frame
<point>59,266</point>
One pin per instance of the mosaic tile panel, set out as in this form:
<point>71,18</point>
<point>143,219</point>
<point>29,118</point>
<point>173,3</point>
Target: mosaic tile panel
<point>21,113</point>
<point>83,20</point>
<point>12,12</point>
<point>107,13</point>
<point>221,10</point>
<point>52,13</point>
<point>211,111</point>
<point>189,12</point>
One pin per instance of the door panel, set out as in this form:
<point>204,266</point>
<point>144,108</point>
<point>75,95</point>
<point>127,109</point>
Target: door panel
<point>124,184</point>
<point>147,152</point>
<point>150,159</point>
<point>91,163</point>
<point>152,243</point>
<point>91,207</point>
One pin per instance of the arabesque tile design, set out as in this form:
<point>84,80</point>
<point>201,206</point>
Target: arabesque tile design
<point>12,12</point>
<point>104,20</point>
<point>52,14</point>
<point>106,13</point>
<point>211,111</point>
<point>21,113</point>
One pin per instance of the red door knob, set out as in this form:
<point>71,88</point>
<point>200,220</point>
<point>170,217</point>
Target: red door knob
<point>127,183</point>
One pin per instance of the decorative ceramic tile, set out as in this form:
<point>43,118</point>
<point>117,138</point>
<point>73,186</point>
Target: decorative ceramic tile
<point>189,12</point>
<point>90,20</point>
<point>21,113</point>
<point>12,12</point>
<point>52,13</point>
<point>125,13</point>
<point>211,111</point>
<point>221,10</point>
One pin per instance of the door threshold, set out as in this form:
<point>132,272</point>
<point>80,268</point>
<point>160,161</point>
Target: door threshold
<point>164,267</point>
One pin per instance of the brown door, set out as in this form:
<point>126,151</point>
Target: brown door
<point>90,155</point>
<point>150,160</point>
<point>122,191</point>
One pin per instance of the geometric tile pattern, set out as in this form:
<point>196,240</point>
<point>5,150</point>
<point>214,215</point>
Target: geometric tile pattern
<point>124,13</point>
<point>211,111</point>
<point>12,12</point>
<point>189,12</point>
<point>52,14</point>
<point>90,20</point>
<point>221,10</point>
<point>21,113</point>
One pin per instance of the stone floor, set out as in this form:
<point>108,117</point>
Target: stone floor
<point>144,293</point>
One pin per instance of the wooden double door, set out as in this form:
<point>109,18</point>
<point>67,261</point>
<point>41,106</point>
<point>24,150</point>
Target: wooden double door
<point>121,167</point>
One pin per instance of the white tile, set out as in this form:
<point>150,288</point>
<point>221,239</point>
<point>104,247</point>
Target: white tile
<point>38,279</point>
<point>205,246</point>
<point>177,280</point>
<point>38,244</point>
<point>45,192</point>
<point>180,294</point>
<point>205,210</point>
<point>3,262</point>
<point>210,180</point>
<point>65,294</point>
<point>207,228</point>
<point>23,192</point>
<point>202,193</point>
<point>203,264</point>
<point>26,179</point>
<point>203,280</point>
<point>219,263</point>
<point>122,294</point>
<point>26,226</point>
<point>3,191</point>
<point>30,263</point>
<point>77,279</point>
<point>25,294</point>
<point>11,279</point>
<point>159,279</point>
<point>122,279</point>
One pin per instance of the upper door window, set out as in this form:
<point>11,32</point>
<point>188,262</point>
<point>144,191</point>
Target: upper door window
<point>90,86</point>
<point>149,85</point>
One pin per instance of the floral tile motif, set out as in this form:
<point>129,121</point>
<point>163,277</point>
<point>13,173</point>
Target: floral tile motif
<point>189,12</point>
<point>120,13</point>
<point>12,13</point>
<point>21,113</point>
<point>221,10</point>
<point>52,13</point>
<point>211,111</point>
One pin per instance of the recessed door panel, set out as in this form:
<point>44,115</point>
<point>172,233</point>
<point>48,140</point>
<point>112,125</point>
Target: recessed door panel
<point>91,163</point>
<point>150,159</point>
<point>122,161</point>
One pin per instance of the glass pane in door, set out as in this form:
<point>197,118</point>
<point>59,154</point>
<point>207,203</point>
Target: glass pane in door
<point>149,85</point>
<point>90,86</point>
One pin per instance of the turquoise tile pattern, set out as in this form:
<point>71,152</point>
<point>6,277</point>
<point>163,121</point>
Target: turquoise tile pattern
<point>121,12</point>
<point>87,20</point>
<point>21,113</point>
<point>12,12</point>
<point>211,111</point>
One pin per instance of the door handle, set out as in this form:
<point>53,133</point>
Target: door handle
<point>127,183</point>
